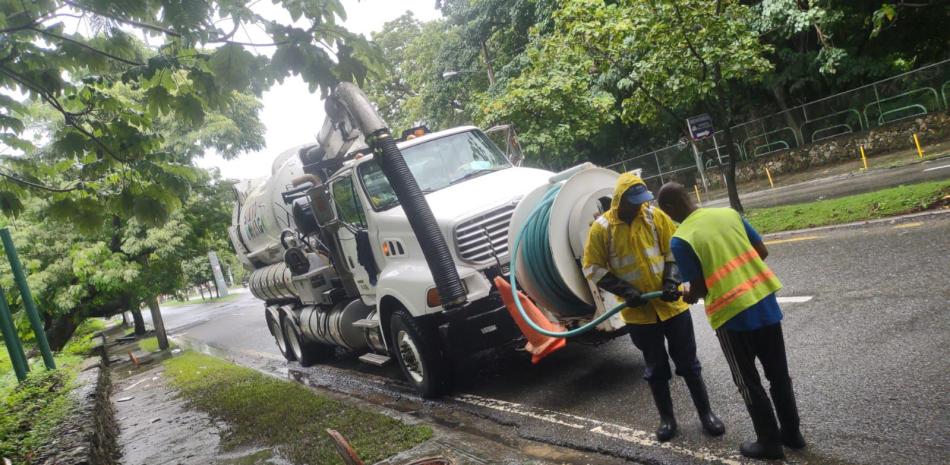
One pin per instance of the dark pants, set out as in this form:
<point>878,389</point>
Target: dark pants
<point>651,339</point>
<point>741,348</point>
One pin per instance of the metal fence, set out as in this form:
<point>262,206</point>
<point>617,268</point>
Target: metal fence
<point>912,94</point>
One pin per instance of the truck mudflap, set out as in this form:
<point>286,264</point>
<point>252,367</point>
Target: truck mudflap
<point>483,324</point>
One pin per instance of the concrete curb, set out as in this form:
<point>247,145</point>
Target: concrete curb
<point>860,224</point>
<point>87,436</point>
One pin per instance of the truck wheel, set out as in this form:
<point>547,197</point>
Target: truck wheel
<point>422,363</point>
<point>306,352</point>
<point>278,332</point>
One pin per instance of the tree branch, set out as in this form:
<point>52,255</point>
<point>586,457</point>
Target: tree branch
<point>689,43</point>
<point>68,117</point>
<point>130,22</point>
<point>87,47</point>
<point>34,185</point>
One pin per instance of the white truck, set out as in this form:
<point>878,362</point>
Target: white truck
<point>339,262</point>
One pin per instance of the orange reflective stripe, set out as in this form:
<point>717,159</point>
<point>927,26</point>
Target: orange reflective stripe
<point>736,292</point>
<point>717,275</point>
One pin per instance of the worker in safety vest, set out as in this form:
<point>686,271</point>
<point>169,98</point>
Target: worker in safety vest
<point>627,253</point>
<point>722,258</point>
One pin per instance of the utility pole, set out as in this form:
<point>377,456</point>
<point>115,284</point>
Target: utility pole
<point>28,305</point>
<point>218,276</point>
<point>488,65</point>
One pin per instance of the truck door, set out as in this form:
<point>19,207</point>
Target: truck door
<point>353,221</point>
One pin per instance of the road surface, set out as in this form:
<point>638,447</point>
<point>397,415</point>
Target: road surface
<point>867,329</point>
<point>842,185</point>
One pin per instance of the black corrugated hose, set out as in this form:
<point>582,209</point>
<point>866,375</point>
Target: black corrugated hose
<point>434,248</point>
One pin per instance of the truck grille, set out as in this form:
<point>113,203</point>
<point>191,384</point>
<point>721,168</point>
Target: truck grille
<point>475,238</point>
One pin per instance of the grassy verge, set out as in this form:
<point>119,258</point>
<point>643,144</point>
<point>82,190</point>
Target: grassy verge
<point>179,303</point>
<point>30,410</point>
<point>872,205</point>
<point>150,344</point>
<point>271,413</point>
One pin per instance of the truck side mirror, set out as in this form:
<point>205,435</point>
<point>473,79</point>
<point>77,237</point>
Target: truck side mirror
<point>323,208</point>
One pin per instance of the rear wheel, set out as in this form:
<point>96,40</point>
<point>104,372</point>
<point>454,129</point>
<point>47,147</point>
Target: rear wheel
<point>420,357</point>
<point>278,332</point>
<point>305,351</point>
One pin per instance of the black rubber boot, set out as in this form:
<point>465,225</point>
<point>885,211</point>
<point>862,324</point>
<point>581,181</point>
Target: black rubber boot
<point>711,423</point>
<point>783,396</point>
<point>664,405</point>
<point>767,444</point>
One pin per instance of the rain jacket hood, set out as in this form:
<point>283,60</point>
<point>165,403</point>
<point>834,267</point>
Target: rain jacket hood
<point>624,182</point>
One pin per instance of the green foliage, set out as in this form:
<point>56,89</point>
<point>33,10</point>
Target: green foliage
<point>266,412</point>
<point>872,205</point>
<point>84,339</point>
<point>130,118</point>
<point>29,411</point>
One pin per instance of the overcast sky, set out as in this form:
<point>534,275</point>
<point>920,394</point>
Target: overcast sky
<point>291,113</point>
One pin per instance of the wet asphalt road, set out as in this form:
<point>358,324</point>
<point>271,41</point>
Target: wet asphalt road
<point>868,355</point>
<point>843,185</point>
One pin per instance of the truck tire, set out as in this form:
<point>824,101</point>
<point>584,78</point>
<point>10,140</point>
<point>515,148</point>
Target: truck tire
<point>277,329</point>
<point>420,357</point>
<point>306,352</point>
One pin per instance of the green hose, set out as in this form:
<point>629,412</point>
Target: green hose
<point>545,275</point>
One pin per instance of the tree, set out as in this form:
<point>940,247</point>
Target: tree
<point>111,180</point>
<point>663,57</point>
<point>111,92</point>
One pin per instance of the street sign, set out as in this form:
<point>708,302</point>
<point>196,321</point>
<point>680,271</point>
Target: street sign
<point>700,127</point>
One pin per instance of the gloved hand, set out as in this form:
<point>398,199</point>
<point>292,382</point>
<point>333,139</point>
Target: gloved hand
<point>622,289</point>
<point>671,282</point>
<point>632,298</point>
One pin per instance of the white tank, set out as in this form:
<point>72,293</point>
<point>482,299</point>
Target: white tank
<point>263,215</point>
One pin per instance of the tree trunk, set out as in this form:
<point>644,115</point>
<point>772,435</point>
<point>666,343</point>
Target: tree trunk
<point>730,171</point>
<point>217,292</point>
<point>201,291</point>
<point>157,322</point>
<point>125,319</point>
<point>780,98</point>
<point>139,322</point>
<point>60,331</point>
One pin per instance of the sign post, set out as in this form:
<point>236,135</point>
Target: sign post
<point>701,127</point>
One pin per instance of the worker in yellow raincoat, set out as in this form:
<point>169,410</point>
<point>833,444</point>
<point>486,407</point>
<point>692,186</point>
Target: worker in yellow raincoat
<point>627,254</point>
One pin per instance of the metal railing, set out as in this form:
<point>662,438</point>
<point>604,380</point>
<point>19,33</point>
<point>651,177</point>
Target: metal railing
<point>913,94</point>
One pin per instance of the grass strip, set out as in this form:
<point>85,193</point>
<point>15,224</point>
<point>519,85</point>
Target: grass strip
<point>267,412</point>
<point>182,303</point>
<point>29,411</point>
<point>861,207</point>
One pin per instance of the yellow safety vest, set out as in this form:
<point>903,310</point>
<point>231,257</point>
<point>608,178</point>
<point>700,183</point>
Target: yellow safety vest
<point>736,277</point>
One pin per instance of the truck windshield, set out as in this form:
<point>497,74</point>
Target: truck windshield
<point>436,164</point>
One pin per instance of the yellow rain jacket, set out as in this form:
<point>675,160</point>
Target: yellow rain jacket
<point>634,253</point>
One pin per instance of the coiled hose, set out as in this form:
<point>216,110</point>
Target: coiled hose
<point>537,249</point>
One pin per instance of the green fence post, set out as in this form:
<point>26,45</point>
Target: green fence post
<point>12,340</point>
<point>20,277</point>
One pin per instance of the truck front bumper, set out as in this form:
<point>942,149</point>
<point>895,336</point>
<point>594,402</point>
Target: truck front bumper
<point>483,324</point>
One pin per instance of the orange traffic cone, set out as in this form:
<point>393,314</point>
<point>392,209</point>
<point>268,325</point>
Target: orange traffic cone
<point>538,344</point>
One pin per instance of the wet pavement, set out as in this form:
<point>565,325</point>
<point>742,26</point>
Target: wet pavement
<point>866,328</point>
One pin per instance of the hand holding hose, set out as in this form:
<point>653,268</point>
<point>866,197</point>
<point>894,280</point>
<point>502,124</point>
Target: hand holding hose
<point>671,282</point>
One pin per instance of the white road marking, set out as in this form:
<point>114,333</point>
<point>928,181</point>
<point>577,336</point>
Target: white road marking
<point>782,300</point>
<point>623,433</point>
<point>936,168</point>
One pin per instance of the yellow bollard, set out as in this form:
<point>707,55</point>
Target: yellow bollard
<point>920,152</point>
<point>864,159</point>
<point>698,199</point>
<point>767,173</point>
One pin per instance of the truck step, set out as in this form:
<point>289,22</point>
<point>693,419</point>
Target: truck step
<point>375,359</point>
<point>366,323</point>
